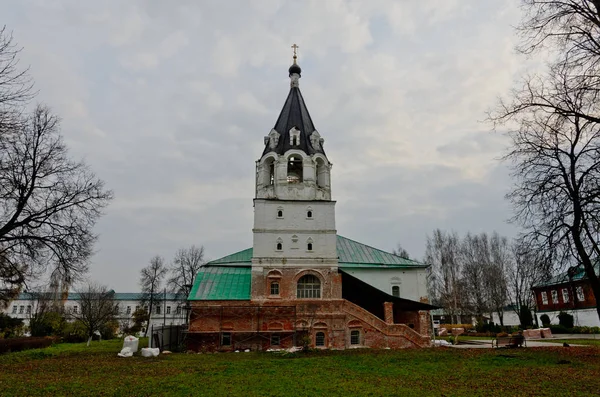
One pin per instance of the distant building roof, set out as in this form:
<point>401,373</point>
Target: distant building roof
<point>229,278</point>
<point>119,296</point>
<point>562,278</point>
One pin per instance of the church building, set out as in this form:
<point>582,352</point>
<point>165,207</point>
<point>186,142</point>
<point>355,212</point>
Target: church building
<point>302,284</point>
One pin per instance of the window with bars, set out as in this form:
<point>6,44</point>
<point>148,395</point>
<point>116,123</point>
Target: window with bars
<point>226,339</point>
<point>355,337</point>
<point>274,288</point>
<point>565,295</point>
<point>580,294</point>
<point>554,296</point>
<point>308,287</point>
<point>275,340</point>
<point>320,339</point>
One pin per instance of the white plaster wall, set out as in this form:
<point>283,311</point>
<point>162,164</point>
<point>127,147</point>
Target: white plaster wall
<point>509,318</point>
<point>268,228</point>
<point>412,282</point>
<point>582,318</point>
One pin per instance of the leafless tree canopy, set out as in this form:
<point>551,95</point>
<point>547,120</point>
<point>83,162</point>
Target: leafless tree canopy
<point>185,266</point>
<point>401,252</point>
<point>553,122</point>
<point>16,87</point>
<point>97,308</point>
<point>48,203</point>
<point>151,279</point>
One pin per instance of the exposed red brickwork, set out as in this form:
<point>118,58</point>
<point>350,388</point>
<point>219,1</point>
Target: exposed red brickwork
<point>251,325</point>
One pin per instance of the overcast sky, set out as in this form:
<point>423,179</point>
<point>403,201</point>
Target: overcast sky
<point>169,102</point>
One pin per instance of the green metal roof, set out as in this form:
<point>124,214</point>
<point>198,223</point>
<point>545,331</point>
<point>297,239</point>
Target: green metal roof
<point>354,254</point>
<point>222,283</point>
<point>562,278</point>
<point>244,256</point>
<point>350,253</point>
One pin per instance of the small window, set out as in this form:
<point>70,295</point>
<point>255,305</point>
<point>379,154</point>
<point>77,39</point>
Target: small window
<point>580,294</point>
<point>28,309</point>
<point>565,294</point>
<point>544,297</point>
<point>21,309</point>
<point>158,309</point>
<point>279,246</point>
<point>320,339</point>
<point>226,339</point>
<point>309,246</point>
<point>137,308</point>
<point>554,296</point>
<point>279,213</point>
<point>309,214</point>
<point>128,310</point>
<point>168,309</point>
<point>116,309</point>
<point>75,309</point>
<point>274,288</point>
<point>396,291</point>
<point>355,337</point>
<point>178,310</point>
<point>14,310</point>
<point>275,340</point>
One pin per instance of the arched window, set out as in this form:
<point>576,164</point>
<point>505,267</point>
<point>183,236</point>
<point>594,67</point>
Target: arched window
<point>320,339</point>
<point>274,288</point>
<point>308,287</point>
<point>294,174</point>
<point>280,212</point>
<point>396,291</point>
<point>321,173</point>
<point>309,213</point>
<point>355,337</point>
<point>279,245</point>
<point>309,246</point>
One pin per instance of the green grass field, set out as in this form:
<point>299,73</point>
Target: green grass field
<point>76,370</point>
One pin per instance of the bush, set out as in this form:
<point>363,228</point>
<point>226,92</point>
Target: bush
<point>565,319</point>
<point>525,316</point>
<point>560,329</point>
<point>18,344</point>
<point>47,324</point>
<point>74,332</point>
<point>10,327</point>
<point>545,319</point>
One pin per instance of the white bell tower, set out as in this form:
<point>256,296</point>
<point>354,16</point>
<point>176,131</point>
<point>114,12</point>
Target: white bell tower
<point>294,216</point>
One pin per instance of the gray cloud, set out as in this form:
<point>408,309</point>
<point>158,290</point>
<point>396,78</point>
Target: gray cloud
<point>169,104</point>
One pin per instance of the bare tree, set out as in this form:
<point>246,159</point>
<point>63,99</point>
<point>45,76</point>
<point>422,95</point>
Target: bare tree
<point>185,267</point>
<point>442,254</point>
<point>16,87</point>
<point>48,205</point>
<point>496,276</point>
<point>476,263</point>
<point>96,308</point>
<point>401,252</point>
<point>553,122</point>
<point>151,279</point>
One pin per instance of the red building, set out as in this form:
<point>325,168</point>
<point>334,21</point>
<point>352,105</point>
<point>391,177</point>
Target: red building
<point>567,292</point>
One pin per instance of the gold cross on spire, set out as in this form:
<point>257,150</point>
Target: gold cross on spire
<point>295,47</point>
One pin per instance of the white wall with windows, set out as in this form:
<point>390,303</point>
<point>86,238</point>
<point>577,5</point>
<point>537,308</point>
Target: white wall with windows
<point>169,312</point>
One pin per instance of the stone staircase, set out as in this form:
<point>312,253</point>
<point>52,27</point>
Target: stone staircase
<point>389,330</point>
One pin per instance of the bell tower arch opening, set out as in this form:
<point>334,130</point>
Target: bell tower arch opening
<point>294,169</point>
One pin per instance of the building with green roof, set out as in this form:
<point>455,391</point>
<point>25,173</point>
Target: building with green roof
<point>301,283</point>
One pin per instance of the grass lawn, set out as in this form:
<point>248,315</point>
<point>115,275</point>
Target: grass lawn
<point>76,370</point>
